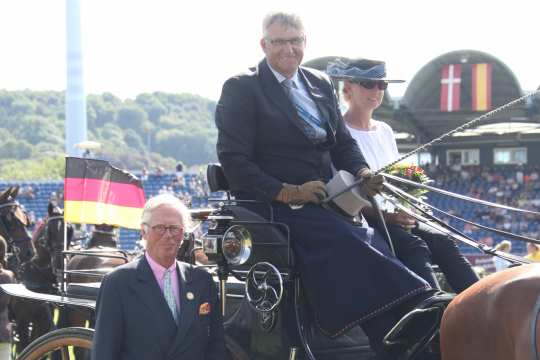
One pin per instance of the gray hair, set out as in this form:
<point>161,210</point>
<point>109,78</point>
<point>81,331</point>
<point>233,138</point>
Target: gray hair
<point>167,199</point>
<point>285,19</point>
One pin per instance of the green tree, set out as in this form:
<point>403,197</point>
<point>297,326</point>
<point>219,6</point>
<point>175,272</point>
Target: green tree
<point>42,169</point>
<point>134,140</point>
<point>131,116</point>
<point>157,129</point>
<point>152,105</point>
<point>15,149</point>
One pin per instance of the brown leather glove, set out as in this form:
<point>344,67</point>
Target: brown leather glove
<point>372,184</point>
<point>399,218</point>
<point>310,192</point>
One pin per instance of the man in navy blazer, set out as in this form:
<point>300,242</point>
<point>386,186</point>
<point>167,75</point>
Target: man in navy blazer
<point>279,132</point>
<point>156,307</point>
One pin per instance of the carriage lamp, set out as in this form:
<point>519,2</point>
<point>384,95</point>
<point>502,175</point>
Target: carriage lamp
<point>210,244</point>
<point>236,245</point>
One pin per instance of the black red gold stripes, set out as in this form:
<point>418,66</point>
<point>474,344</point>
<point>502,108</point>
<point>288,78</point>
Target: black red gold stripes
<point>97,193</point>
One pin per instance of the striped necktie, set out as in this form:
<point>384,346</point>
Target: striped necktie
<point>168,293</point>
<point>307,110</point>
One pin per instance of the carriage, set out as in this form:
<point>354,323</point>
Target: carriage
<point>266,315</point>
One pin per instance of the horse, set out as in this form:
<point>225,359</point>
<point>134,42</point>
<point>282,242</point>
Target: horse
<point>89,268</point>
<point>43,271</point>
<point>495,319</point>
<point>103,240</point>
<point>13,224</point>
<point>6,277</point>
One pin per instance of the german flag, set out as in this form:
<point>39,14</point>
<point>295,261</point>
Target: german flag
<point>97,193</point>
<point>481,87</point>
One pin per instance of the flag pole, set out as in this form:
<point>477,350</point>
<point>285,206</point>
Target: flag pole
<point>64,259</point>
<point>62,274</point>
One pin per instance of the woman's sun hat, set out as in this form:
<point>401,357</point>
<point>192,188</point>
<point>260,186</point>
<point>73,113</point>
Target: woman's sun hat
<point>359,69</point>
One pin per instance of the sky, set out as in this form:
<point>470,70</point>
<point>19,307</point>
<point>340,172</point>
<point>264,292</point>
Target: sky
<point>193,46</point>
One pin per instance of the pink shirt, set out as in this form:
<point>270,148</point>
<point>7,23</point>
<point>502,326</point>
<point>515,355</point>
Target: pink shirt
<point>159,273</point>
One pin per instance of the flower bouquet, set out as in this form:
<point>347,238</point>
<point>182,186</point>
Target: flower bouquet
<point>413,173</point>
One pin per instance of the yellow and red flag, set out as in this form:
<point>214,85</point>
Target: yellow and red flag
<point>481,87</point>
<point>450,87</point>
<point>97,193</point>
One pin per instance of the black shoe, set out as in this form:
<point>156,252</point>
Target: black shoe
<point>414,332</point>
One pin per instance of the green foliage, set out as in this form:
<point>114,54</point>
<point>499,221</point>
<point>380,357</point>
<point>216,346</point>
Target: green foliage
<point>158,129</point>
<point>16,149</point>
<point>52,168</point>
<point>131,115</point>
<point>133,140</point>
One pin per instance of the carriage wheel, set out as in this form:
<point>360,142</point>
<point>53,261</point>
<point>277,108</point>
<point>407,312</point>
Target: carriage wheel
<point>61,341</point>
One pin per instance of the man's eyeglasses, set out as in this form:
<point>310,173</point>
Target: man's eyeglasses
<point>161,229</point>
<point>296,41</point>
<point>370,84</point>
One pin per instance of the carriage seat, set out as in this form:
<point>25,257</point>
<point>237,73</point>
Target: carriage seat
<point>269,241</point>
<point>83,290</point>
<point>216,178</point>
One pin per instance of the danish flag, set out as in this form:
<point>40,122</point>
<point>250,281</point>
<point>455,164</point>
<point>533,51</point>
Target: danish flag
<point>450,87</point>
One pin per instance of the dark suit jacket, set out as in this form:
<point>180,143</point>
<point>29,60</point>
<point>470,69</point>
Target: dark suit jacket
<point>134,322</point>
<point>261,143</point>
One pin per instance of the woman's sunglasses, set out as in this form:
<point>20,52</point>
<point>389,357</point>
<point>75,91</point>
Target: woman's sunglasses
<point>370,84</point>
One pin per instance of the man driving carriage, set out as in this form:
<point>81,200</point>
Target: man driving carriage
<point>279,131</point>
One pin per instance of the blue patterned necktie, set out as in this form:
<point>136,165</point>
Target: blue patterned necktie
<point>168,293</point>
<point>307,110</point>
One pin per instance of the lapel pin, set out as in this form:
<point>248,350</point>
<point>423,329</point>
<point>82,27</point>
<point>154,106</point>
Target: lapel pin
<point>190,295</point>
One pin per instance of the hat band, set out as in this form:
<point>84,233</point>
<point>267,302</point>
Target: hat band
<point>375,72</point>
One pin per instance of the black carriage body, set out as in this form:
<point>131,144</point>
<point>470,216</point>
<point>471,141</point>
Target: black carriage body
<point>273,335</point>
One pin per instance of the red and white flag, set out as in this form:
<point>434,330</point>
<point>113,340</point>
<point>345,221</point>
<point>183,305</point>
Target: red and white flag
<point>450,87</point>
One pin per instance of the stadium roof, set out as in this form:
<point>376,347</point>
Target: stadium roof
<point>420,106</point>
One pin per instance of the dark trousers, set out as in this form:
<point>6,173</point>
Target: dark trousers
<point>423,246</point>
<point>445,253</point>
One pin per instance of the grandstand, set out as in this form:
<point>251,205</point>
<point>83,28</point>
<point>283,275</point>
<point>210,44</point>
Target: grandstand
<point>509,185</point>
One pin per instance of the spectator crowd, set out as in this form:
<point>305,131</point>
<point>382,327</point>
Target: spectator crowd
<point>515,186</point>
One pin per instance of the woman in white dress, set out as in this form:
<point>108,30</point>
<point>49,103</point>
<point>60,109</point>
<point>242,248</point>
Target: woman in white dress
<point>417,246</point>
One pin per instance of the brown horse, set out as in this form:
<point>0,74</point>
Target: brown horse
<point>32,319</point>
<point>495,318</point>
<point>6,277</point>
<point>103,240</point>
<point>44,270</point>
<point>13,224</point>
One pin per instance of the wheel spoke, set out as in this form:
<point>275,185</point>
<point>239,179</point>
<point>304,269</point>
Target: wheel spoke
<point>65,353</point>
<point>61,340</point>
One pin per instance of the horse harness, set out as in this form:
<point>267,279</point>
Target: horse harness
<point>4,227</point>
<point>42,240</point>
